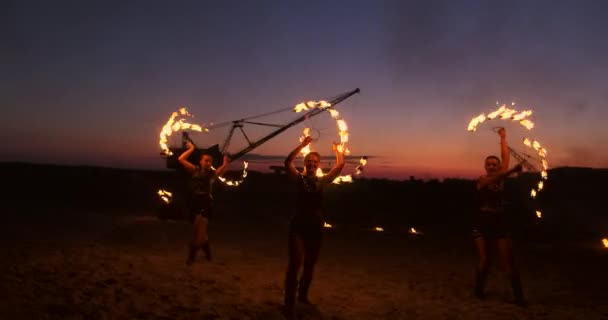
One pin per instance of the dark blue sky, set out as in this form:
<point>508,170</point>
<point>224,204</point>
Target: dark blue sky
<point>93,82</point>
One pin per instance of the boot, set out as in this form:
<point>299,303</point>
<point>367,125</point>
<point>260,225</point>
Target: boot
<point>192,250</point>
<point>207,250</point>
<point>480,284</point>
<point>517,290</point>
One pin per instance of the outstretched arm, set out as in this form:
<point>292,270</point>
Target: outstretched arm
<point>335,171</point>
<point>222,169</point>
<point>183,158</point>
<point>485,180</point>
<point>291,169</point>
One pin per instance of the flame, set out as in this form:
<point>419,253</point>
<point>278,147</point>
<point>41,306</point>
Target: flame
<point>319,173</point>
<point>527,123</point>
<point>605,242</point>
<point>304,106</point>
<point>539,214</point>
<point>476,121</point>
<point>414,231</point>
<point>340,147</point>
<point>165,195</point>
<point>378,229</point>
<point>496,113</point>
<point>533,193</point>
<point>503,113</point>
<point>173,126</point>
<point>345,178</point>
<point>327,225</point>
<point>235,183</point>
<point>522,115</point>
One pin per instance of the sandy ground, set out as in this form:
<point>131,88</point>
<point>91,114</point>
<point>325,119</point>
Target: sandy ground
<point>125,266</point>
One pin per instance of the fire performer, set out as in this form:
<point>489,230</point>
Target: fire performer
<point>201,199</point>
<point>491,224</point>
<point>306,226</point>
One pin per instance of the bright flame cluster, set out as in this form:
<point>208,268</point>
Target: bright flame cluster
<point>506,113</point>
<point>174,125</point>
<point>542,153</point>
<point>236,183</point>
<point>605,242</point>
<point>165,195</point>
<point>342,132</point>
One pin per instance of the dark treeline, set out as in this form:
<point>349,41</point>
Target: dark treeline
<point>571,203</point>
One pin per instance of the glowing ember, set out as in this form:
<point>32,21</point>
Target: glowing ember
<point>378,229</point>
<point>235,183</point>
<point>414,231</point>
<point>327,225</point>
<point>605,242</point>
<point>165,195</point>
<point>174,125</point>
<point>539,214</point>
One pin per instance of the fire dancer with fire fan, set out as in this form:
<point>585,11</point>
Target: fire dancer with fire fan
<point>201,199</point>
<point>491,224</point>
<point>306,226</point>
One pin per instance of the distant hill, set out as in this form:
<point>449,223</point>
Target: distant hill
<point>572,202</point>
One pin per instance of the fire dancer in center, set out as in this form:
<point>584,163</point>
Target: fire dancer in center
<point>306,226</point>
<point>201,199</point>
<point>491,224</point>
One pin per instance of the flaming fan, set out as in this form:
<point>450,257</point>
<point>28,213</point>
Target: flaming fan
<point>534,163</point>
<point>179,122</point>
<point>342,129</point>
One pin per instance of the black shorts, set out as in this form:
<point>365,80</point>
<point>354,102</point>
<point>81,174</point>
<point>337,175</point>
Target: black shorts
<point>200,205</point>
<point>491,225</point>
<point>308,227</point>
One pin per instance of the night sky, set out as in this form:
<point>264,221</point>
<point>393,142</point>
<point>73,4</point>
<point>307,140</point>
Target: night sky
<point>92,83</point>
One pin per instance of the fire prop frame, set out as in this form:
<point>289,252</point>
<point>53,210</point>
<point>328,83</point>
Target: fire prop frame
<point>509,114</point>
<point>174,125</point>
<point>342,133</point>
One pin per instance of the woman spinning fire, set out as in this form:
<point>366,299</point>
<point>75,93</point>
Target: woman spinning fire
<point>306,227</point>
<point>201,199</point>
<point>491,224</point>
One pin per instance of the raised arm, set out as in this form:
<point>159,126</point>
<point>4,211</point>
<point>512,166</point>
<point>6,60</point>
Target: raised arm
<point>183,158</point>
<point>291,169</point>
<point>222,169</point>
<point>335,171</point>
<point>504,167</point>
<point>505,155</point>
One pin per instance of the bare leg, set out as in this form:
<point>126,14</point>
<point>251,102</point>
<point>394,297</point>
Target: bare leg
<point>296,256</point>
<point>483,266</point>
<point>312,248</point>
<point>505,248</point>
<point>199,238</point>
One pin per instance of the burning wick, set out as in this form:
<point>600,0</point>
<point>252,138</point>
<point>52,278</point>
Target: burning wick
<point>327,225</point>
<point>605,242</point>
<point>379,229</point>
<point>539,214</point>
<point>165,195</point>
